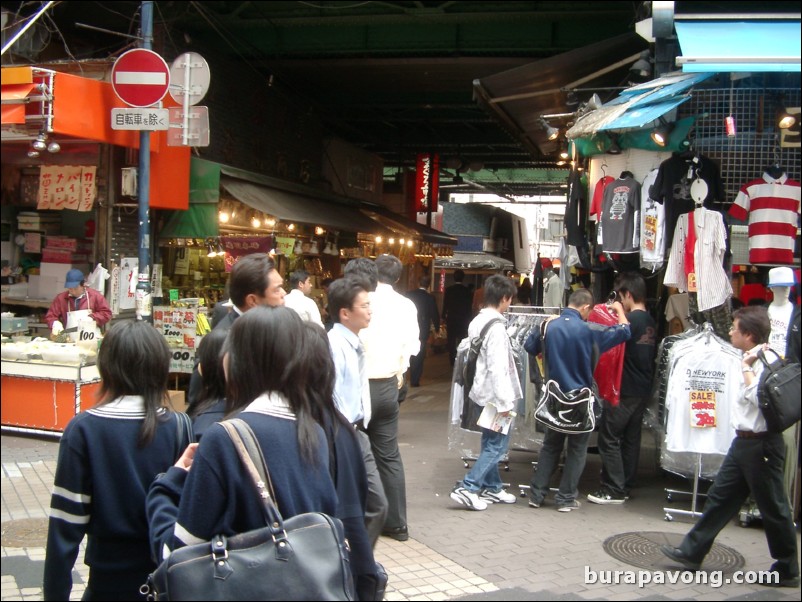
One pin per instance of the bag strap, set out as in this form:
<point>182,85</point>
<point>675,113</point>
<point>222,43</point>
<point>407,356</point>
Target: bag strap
<point>543,328</point>
<point>762,357</point>
<point>487,326</point>
<point>184,432</point>
<point>248,448</point>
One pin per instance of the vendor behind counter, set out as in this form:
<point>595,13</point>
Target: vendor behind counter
<point>77,297</point>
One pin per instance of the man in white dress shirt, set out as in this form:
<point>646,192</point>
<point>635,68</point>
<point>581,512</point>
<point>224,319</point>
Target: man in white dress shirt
<point>753,464</point>
<point>297,298</point>
<point>390,340</point>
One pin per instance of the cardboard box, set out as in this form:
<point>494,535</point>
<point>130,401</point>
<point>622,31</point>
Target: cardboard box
<point>178,400</point>
<point>57,255</point>
<point>61,242</point>
<point>44,287</point>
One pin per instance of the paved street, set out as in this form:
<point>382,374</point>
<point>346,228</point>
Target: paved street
<point>505,553</point>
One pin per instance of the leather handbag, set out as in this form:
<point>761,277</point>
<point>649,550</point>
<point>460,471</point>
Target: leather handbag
<point>779,392</point>
<point>304,557</point>
<point>572,412</point>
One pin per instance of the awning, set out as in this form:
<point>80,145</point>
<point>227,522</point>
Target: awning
<point>639,105</point>
<point>400,224</point>
<point>473,261</point>
<point>199,221</point>
<point>519,97</point>
<point>293,207</point>
<point>714,46</point>
<point>14,93</point>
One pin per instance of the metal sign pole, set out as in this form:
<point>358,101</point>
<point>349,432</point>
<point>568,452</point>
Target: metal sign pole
<point>143,299</point>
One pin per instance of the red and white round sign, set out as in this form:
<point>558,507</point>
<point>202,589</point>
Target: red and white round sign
<point>140,77</point>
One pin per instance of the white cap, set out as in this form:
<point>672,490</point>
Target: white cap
<point>781,277</point>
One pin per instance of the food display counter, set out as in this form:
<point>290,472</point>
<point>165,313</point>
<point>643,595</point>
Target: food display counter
<point>42,395</point>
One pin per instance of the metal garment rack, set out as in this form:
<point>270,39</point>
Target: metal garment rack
<point>670,512</point>
<point>517,310</point>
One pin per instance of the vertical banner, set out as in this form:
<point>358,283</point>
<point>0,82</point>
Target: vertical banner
<point>66,187</point>
<point>427,181</point>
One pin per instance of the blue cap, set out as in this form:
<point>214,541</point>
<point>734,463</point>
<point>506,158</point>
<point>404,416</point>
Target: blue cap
<point>74,278</point>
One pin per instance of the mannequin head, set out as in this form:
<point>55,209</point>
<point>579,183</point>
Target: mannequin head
<point>780,282</point>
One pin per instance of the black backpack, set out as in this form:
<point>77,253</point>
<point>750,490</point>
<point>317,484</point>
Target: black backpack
<point>778,393</point>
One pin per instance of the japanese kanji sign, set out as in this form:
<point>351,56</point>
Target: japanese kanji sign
<point>140,119</point>
<point>67,187</point>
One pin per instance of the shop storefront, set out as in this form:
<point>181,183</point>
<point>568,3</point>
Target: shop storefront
<point>63,206</point>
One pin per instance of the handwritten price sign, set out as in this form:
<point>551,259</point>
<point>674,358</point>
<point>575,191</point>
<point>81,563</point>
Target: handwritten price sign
<point>703,409</point>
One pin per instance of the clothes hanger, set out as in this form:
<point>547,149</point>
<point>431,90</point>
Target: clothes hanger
<point>604,169</point>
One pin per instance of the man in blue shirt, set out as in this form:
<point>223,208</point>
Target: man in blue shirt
<point>349,307</point>
<point>570,350</point>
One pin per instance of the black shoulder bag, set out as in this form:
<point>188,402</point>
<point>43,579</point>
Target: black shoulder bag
<point>778,392</point>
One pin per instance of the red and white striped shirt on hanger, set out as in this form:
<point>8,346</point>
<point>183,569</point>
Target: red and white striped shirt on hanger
<point>772,207</point>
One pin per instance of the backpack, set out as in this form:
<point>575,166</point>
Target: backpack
<point>778,393</point>
<point>465,373</point>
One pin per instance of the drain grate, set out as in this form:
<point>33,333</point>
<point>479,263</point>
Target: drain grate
<point>642,549</point>
<point>25,533</point>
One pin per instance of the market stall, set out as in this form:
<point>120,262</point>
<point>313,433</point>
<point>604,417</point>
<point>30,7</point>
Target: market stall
<point>45,384</point>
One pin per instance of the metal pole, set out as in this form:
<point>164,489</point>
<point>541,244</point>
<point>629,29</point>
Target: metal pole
<point>143,298</point>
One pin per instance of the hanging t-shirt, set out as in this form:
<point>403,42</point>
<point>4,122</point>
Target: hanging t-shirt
<point>704,385</point>
<point>607,373</point>
<point>619,221</point>
<point>780,317</point>
<point>772,207</point>
<point>672,187</point>
<point>576,210</point>
<point>652,226</point>
<point>598,195</point>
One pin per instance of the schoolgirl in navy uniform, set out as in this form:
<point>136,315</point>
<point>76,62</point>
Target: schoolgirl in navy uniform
<point>266,387</point>
<point>108,457</point>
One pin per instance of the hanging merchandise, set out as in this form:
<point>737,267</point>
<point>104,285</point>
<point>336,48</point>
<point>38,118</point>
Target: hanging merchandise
<point>695,263</point>
<point>610,366</point>
<point>704,383</point>
<point>771,205</point>
<point>598,195</point>
<point>672,187</point>
<point>575,218</point>
<point>652,226</point>
<point>619,221</point>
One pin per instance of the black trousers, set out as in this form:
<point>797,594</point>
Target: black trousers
<point>416,363</point>
<point>754,465</point>
<point>619,443</point>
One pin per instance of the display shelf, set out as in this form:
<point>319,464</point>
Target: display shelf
<point>36,303</point>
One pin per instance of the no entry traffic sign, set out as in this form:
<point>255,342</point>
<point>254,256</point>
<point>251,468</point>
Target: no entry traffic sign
<point>140,77</point>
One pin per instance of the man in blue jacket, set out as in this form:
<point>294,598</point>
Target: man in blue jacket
<point>571,349</point>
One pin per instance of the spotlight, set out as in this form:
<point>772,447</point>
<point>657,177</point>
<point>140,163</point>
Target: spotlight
<point>391,241</point>
<point>330,249</point>
<point>661,133</point>
<point>319,231</point>
<point>401,241</point>
<point>594,103</point>
<point>551,132</point>
<point>378,239</point>
<point>223,215</point>
<point>614,149</point>
<point>409,243</point>
<point>641,70</point>
<point>211,251</point>
<point>291,227</point>
<point>255,221</point>
<point>785,120</point>
<point>220,249</point>
<point>40,144</point>
<point>53,147</point>
<point>33,153</point>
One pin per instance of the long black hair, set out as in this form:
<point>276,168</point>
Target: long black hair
<point>210,362</point>
<point>263,356</point>
<point>134,360</point>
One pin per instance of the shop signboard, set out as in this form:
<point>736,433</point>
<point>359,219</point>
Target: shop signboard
<point>239,246</point>
<point>178,326</point>
<point>66,187</point>
<point>427,181</point>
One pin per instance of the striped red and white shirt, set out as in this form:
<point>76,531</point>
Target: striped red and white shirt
<point>772,207</point>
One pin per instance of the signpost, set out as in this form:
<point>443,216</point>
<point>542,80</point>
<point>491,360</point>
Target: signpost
<point>140,77</point>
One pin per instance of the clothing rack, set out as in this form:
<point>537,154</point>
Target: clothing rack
<point>670,512</point>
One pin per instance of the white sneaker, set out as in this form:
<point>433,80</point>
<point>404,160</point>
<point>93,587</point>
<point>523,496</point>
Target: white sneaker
<point>468,498</point>
<point>497,497</point>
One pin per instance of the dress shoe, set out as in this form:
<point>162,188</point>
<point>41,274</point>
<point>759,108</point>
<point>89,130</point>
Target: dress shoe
<point>783,582</point>
<point>397,533</point>
<point>679,556</point>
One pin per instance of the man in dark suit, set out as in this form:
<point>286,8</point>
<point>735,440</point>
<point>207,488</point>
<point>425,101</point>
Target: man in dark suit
<point>457,303</point>
<point>254,281</point>
<point>428,316</point>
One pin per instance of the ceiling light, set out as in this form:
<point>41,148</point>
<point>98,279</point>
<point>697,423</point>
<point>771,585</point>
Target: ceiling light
<point>33,153</point>
<point>53,147</point>
<point>401,241</point>
<point>391,241</point>
<point>255,221</point>
<point>378,239</point>
<point>594,103</point>
<point>661,133</point>
<point>223,216</point>
<point>614,149</point>
<point>319,231</point>
<point>40,144</point>
<point>409,243</point>
<point>291,227</point>
<point>211,250</point>
<point>220,248</point>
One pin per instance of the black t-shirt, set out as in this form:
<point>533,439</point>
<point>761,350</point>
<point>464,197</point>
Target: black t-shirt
<point>636,380</point>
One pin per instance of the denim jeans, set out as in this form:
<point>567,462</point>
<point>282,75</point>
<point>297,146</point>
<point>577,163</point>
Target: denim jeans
<point>575,456</point>
<point>484,474</point>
